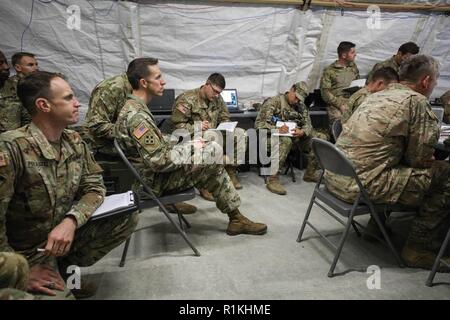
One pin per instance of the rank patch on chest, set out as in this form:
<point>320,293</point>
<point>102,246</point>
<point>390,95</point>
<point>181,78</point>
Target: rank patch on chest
<point>140,130</point>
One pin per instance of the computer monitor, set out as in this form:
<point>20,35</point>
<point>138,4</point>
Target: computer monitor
<point>164,103</point>
<point>231,99</point>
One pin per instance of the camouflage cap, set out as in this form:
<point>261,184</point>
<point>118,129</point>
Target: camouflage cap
<point>301,90</point>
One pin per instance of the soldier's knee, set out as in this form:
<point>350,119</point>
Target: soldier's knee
<point>12,266</point>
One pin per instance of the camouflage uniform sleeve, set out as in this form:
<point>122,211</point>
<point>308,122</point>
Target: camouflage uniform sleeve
<point>264,118</point>
<point>326,90</point>
<point>91,190</point>
<point>102,108</point>
<point>9,166</point>
<point>181,115</point>
<point>307,126</point>
<point>423,134</point>
<point>156,153</point>
<point>224,114</point>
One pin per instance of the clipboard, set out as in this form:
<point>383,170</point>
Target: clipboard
<point>116,204</point>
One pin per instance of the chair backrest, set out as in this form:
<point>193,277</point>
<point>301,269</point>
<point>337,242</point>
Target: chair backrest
<point>132,169</point>
<point>336,129</point>
<point>332,159</point>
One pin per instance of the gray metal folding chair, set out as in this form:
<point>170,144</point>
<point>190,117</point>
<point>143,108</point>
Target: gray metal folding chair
<point>154,201</point>
<point>438,260</point>
<point>332,159</point>
<point>336,129</point>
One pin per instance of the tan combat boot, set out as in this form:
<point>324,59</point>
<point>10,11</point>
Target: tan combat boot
<point>239,224</point>
<point>416,256</point>
<point>232,173</point>
<point>273,184</point>
<point>311,172</point>
<point>205,194</point>
<point>181,207</point>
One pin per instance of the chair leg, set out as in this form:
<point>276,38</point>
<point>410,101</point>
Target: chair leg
<point>437,262</point>
<point>124,252</point>
<point>308,212</point>
<point>180,231</point>
<point>341,243</point>
<point>292,173</point>
<point>386,236</point>
<point>358,233</point>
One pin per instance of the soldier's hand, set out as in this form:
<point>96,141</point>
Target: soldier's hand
<point>298,133</point>
<point>44,279</point>
<point>283,129</point>
<point>60,238</point>
<point>343,108</point>
<point>205,125</point>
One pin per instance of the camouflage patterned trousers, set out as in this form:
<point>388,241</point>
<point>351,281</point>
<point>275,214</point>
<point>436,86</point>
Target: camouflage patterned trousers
<point>234,145</point>
<point>14,272</point>
<point>429,189</point>
<point>92,241</point>
<point>303,144</point>
<point>211,177</point>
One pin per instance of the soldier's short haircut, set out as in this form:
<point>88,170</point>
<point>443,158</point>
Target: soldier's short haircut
<point>15,59</point>
<point>138,69</point>
<point>217,79</point>
<point>387,74</point>
<point>415,67</point>
<point>35,85</point>
<point>344,47</point>
<point>409,47</point>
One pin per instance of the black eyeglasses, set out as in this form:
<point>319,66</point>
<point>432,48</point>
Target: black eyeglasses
<point>214,89</point>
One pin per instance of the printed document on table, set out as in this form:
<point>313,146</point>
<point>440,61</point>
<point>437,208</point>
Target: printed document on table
<point>115,202</point>
<point>227,126</point>
<point>290,124</point>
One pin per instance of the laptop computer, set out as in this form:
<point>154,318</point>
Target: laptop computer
<point>231,100</point>
<point>163,104</point>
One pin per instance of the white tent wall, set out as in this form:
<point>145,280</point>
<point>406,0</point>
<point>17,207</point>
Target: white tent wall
<point>261,49</point>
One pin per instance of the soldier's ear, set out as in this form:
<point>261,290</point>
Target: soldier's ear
<point>43,105</point>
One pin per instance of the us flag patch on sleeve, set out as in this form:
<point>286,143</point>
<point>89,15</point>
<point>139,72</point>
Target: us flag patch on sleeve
<point>3,160</point>
<point>140,130</point>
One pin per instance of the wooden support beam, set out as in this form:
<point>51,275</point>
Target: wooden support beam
<point>350,5</point>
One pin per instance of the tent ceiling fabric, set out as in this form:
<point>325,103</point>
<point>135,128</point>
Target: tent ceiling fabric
<point>261,49</point>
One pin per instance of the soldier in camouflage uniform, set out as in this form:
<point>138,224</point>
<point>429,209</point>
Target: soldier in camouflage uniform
<point>380,79</point>
<point>49,187</point>
<point>14,277</point>
<point>205,106</point>
<point>107,99</point>
<point>337,77</point>
<point>405,51</point>
<point>390,140</point>
<point>289,107</point>
<point>12,114</point>
<point>159,161</point>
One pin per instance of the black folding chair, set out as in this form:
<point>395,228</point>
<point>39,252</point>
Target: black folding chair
<point>332,159</point>
<point>154,201</point>
<point>438,261</point>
